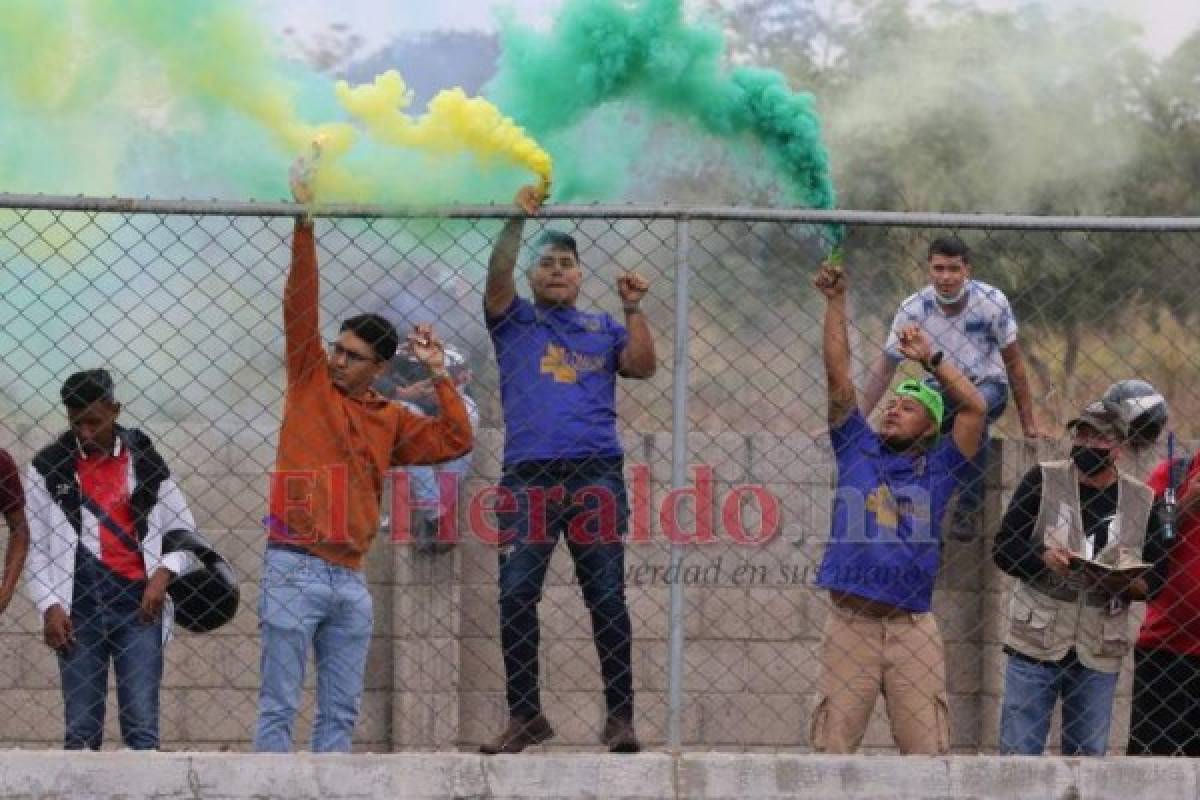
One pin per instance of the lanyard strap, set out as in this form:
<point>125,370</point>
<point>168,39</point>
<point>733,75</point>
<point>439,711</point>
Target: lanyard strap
<point>124,534</point>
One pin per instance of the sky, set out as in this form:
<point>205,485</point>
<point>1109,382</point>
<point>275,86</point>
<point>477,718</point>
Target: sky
<point>1165,22</point>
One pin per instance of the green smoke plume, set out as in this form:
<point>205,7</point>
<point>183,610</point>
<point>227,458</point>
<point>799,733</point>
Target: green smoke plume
<point>605,51</point>
<point>138,97</point>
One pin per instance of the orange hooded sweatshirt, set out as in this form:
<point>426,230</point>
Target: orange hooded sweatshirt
<point>333,449</point>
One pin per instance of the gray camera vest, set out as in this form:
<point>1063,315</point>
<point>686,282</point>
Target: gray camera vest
<point>1050,615</point>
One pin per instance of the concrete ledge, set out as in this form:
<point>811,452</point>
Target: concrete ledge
<point>53,775</point>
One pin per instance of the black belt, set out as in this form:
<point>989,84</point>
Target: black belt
<point>1070,659</point>
<point>287,548</point>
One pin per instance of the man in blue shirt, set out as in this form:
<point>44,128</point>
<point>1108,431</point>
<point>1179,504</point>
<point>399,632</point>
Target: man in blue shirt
<point>563,465</point>
<point>881,561</point>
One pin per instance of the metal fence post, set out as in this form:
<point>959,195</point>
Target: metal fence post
<point>679,465</point>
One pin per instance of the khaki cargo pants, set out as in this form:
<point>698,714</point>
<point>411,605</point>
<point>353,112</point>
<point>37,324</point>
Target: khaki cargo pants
<point>900,655</point>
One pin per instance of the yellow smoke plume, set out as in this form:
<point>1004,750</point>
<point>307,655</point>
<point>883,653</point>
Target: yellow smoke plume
<point>103,76</point>
<point>215,56</point>
<point>453,123</point>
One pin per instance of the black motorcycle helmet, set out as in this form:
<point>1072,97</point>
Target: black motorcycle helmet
<point>207,597</point>
<point>1141,411</point>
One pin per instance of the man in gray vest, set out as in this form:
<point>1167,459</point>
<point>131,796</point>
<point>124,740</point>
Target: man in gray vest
<point>1069,620</point>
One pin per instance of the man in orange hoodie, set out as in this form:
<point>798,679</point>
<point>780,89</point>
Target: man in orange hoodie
<point>338,438</point>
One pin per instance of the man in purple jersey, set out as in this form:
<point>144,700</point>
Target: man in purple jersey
<point>881,561</point>
<point>563,465</point>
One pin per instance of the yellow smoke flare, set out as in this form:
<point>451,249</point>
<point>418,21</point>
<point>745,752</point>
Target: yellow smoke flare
<point>214,55</point>
<point>453,123</point>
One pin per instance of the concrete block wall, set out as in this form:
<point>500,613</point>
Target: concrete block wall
<point>650,776</point>
<point>753,621</point>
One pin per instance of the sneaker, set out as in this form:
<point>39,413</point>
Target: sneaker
<point>619,736</point>
<point>519,734</point>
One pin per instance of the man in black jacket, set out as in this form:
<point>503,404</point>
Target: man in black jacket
<point>97,573</point>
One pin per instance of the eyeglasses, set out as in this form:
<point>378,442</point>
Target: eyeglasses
<point>336,349</point>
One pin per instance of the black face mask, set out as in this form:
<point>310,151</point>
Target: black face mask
<point>1091,460</point>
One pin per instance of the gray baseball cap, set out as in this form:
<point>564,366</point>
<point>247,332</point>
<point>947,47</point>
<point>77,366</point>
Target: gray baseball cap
<point>1099,418</point>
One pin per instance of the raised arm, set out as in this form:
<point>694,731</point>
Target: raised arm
<point>301,300</point>
<point>882,374</point>
<point>831,282</point>
<point>971,418</point>
<point>637,359</point>
<point>501,286</point>
<point>883,371</point>
<point>301,294</point>
<point>971,414</point>
<point>431,440</point>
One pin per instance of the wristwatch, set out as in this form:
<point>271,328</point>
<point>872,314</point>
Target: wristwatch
<point>934,362</point>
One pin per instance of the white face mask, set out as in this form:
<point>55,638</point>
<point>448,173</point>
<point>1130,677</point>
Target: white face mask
<point>949,300</point>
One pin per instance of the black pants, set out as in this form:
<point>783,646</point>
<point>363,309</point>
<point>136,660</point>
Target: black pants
<point>1165,718</point>
<point>570,493</point>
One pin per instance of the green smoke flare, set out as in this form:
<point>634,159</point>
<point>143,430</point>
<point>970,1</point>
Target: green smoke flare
<point>602,51</point>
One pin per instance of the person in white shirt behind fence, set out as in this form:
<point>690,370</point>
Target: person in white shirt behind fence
<point>972,325</point>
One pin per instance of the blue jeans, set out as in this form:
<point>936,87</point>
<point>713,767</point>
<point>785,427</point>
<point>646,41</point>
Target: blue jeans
<point>307,601</point>
<point>104,615</point>
<point>425,485</point>
<point>425,494</point>
<point>995,396</point>
<point>527,542</point>
<point>1030,692</point>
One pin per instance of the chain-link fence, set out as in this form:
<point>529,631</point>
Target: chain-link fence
<point>728,492</point>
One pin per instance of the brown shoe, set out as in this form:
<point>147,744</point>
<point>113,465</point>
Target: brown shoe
<point>619,736</point>
<point>519,734</point>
